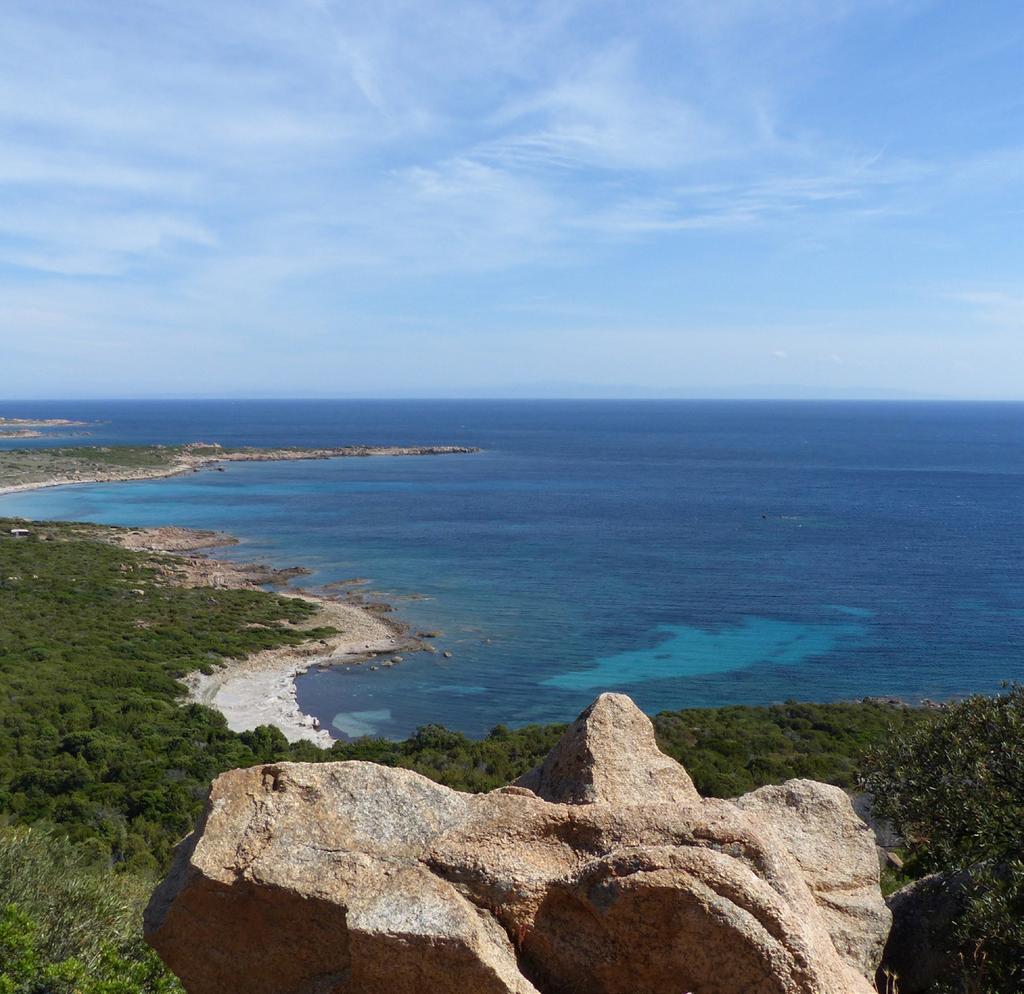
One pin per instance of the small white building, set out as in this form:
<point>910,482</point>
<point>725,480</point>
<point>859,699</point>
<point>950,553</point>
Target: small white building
<point>20,532</point>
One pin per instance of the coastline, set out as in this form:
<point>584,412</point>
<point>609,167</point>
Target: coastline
<point>196,456</point>
<point>260,689</point>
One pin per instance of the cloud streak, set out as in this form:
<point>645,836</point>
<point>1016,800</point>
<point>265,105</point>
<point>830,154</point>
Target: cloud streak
<point>338,166</point>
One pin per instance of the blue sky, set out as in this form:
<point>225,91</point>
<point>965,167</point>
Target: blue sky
<point>444,197</point>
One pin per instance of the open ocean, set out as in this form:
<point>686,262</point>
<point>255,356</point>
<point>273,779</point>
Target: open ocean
<point>687,553</point>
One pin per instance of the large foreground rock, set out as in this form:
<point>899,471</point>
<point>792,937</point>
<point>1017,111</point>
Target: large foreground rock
<point>601,872</point>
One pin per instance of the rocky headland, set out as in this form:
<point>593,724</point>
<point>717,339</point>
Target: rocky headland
<point>602,871</point>
<point>32,469</point>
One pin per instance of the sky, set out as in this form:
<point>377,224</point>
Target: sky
<point>337,198</point>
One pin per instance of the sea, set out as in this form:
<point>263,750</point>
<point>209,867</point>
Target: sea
<point>688,553</point>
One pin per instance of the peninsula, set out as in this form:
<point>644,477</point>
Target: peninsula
<point>32,469</point>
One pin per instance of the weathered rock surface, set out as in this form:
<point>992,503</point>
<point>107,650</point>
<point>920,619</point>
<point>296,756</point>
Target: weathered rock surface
<point>921,949</point>
<point>837,856</point>
<point>601,872</point>
<point>609,754</point>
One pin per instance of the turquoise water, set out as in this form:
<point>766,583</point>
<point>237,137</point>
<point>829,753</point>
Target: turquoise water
<point>685,553</point>
<point>687,651</point>
<point>353,724</point>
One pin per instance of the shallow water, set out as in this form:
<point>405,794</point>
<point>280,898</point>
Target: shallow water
<point>688,553</point>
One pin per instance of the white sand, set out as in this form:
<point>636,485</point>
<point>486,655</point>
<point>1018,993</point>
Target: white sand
<point>260,690</point>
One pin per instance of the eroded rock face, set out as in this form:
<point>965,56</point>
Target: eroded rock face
<point>601,872</point>
<point>609,754</point>
<point>837,856</point>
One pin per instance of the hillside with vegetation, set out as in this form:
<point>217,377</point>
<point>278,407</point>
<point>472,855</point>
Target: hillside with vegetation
<point>94,737</point>
<point>101,759</point>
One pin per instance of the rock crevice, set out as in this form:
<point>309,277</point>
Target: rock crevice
<point>602,871</point>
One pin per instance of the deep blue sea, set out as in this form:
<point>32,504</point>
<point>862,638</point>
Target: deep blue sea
<point>687,553</point>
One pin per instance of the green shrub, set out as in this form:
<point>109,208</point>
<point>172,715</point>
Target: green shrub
<point>68,926</point>
<point>731,750</point>
<point>92,737</point>
<point>954,788</point>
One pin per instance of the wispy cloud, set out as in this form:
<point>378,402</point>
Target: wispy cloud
<point>233,115</point>
<point>600,115</point>
<point>243,165</point>
<point>1002,308</point>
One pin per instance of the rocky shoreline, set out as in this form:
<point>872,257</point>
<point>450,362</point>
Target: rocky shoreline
<point>196,456</point>
<point>260,689</point>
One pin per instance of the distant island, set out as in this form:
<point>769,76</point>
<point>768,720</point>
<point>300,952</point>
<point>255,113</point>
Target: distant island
<point>32,469</point>
<point>40,423</point>
<point>33,427</point>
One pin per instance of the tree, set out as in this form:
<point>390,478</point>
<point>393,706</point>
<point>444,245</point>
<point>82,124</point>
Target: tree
<point>954,789</point>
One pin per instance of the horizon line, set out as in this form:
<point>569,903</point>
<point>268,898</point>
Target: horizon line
<point>247,398</point>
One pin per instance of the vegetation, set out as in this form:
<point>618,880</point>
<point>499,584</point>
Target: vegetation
<point>70,927</point>
<point>23,466</point>
<point>954,788</point>
<point>19,467</point>
<point>99,755</point>
<point>91,735</point>
<point>731,750</point>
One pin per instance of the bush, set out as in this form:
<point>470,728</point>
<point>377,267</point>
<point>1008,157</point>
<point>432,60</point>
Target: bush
<point>954,788</point>
<point>68,926</point>
<point>732,750</point>
<point>92,737</point>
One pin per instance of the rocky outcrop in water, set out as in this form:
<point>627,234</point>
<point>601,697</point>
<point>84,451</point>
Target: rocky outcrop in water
<point>601,872</point>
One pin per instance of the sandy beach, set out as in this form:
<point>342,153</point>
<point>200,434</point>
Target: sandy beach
<point>260,689</point>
